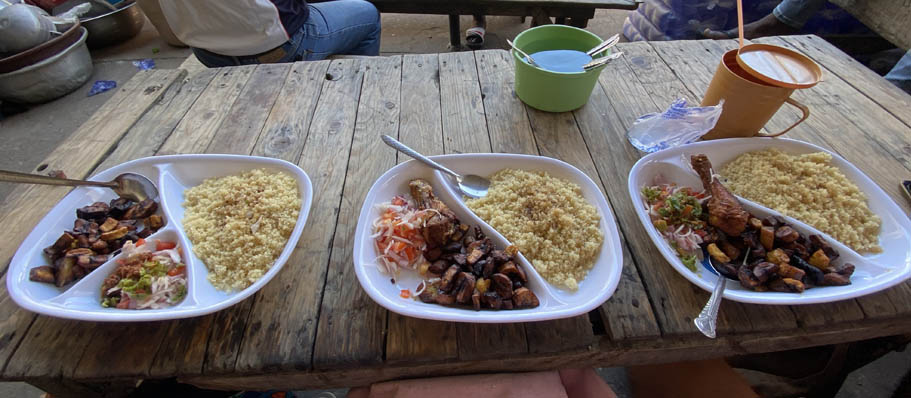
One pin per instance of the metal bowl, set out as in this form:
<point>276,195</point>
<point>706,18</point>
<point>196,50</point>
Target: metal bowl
<point>115,26</point>
<point>49,79</point>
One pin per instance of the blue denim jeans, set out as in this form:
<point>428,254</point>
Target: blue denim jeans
<point>333,27</point>
<point>796,13</point>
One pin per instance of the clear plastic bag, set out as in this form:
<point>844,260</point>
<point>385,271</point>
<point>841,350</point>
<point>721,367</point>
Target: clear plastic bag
<point>677,125</point>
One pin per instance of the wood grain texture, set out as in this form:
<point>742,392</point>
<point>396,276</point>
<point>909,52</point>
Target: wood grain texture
<point>464,125</point>
<point>326,159</point>
<point>26,207</point>
<point>465,131</point>
<point>220,344</point>
<point>627,314</point>
<point>249,112</point>
<point>864,80</point>
<point>610,353</point>
<point>413,340</point>
<point>888,18</point>
<point>510,131</point>
<point>149,133</point>
<point>289,121</point>
<point>207,113</point>
<point>507,122</point>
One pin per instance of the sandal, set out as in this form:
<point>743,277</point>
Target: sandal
<point>474,37</point>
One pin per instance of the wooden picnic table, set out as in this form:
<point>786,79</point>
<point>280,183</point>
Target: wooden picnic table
<point>314,327</point>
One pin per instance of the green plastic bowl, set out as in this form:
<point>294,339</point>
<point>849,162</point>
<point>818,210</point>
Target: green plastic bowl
<point>554,91</point>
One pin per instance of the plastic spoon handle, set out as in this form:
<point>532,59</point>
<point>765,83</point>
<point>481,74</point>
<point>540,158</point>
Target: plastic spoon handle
<point>604,45</point>
<point>13,176</point>
<point>417,156</point>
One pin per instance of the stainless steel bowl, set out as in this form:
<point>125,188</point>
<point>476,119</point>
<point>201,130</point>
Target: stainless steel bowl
<point>115,26</point>
<point>54,77</point>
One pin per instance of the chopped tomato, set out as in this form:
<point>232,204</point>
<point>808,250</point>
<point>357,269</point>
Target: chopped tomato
<point>140,242</point>
<point>405,293</point>
<point>159,245</point>
<point>177,271</point>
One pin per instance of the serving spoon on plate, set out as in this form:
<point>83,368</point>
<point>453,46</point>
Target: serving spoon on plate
<point>471,185</point>
<point>130,186</point>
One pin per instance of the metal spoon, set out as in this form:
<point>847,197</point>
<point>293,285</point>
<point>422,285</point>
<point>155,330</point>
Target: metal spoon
<point>131,186</point>
<point>707,319</point>
<point>604,45</point>
<point>601,61</point>
<point>527,57</point>
<point>470,185</point>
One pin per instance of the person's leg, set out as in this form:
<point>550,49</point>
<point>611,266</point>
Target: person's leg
<point>787,18</point>
<point>338,27</point>
<point>900,75</point>
<point>474,36</point>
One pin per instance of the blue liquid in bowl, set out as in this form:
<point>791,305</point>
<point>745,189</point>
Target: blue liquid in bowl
<point>561,60</point>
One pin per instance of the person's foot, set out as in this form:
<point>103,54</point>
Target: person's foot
<point>474,37</point>
<point>767,26</point>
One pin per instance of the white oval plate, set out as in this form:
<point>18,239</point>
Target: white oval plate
<point>873,272</point>
<point>172,174</point>
<point>555,303</point>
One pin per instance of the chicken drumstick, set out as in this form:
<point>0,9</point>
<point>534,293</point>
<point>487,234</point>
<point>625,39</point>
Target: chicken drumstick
<point>725,211</point>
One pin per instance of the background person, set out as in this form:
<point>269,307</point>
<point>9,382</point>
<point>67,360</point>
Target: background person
<point>241,32</point>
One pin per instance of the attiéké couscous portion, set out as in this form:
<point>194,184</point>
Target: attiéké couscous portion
<point>548,219</point>
<point>239,224</point>
<point>808,188</point>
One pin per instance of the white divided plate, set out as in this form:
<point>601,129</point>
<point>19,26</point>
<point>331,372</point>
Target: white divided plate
<point>555,303</point>
<point>873,272</point>
<point>172,175</point>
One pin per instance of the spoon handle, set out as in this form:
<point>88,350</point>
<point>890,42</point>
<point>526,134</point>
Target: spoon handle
<point>708,318</point>
<point>604,45</point>
<point>421,158</point>
<point>13,176</point>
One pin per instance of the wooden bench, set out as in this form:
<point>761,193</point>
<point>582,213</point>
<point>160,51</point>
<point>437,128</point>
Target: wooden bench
<point>574,12</point>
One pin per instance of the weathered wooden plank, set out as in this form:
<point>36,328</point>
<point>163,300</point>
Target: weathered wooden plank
<point>26,207</point>
<point>835,62</point>
<point>465,131</point>
<point>288,123</point>
<point>611,353</point>
<point>464,125</point>
<point>107,360</point>
<point>674,299</point>
<point>507,122</point>
<point>248,114</point>
<point>421,118</point>
<point>510,132</point>
<point>208,111</point>
<point>183,350</point>
<point>196,341</point>
<point>150,132</point>
<point>281,324</point>
<point>627,314</point>
<point>326,158</point>
<point>374,112</point>
<point>411,340</point>
<point>887,18</point>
